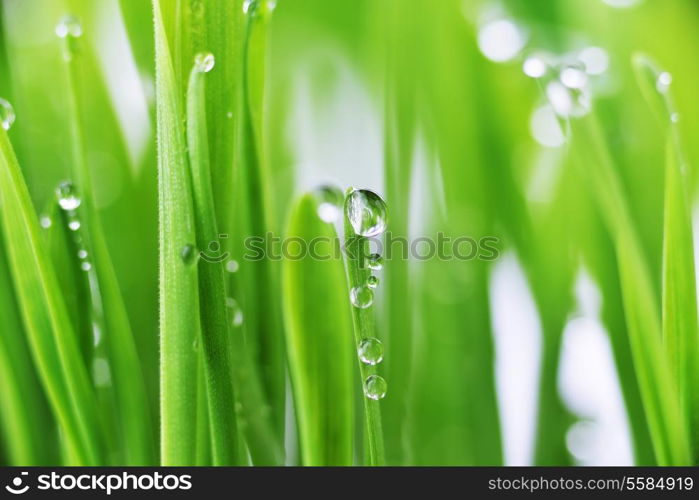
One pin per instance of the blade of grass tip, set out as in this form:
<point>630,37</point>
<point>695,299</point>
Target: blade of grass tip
<point>27,425</point>
<point>361,295</point>
<point>179,305</point>
<point>265,324</point>
<point>680,328</point>
<point>261,438</point>
<point>319,340</point>
<point>659,394</point>
<point>215,327</point>
<point>126,392</point>
<point>53,342</point>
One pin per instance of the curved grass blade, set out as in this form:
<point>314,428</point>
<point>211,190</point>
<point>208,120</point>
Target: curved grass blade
<point>125,395</point>
<point>52,339</point>
<point>215,326</point>
<point>27,425</point>
<point>319,340</point>
<point>658,392</point>
<point>680,328</point>
<point>179,321</point>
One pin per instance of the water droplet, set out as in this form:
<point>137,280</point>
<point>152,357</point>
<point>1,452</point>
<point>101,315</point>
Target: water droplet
<point>45,221</point>
<point>236,312</point>
<point>67,197</point>
<point>96,334</point>
<point>501,40</point>
<point>232,266</point>
<point>7,114</point>
<point>204,62</point>
<point>101,373</point>
<point>573,77</point>
<point>253,7</point>
<point>675,117</point>
<point>664,82</point>
<point>85,266</point>
<point>545,127</point>
<point>595,60</point>
<point>69,26</point>
<point>366,212</point>
<point>361,297</point>
<point>370,351</point>
<point>229,114</point>
<point>372,281</point>
<point>195,345</point>
<point>74,225</point>
<point>374,262</point>
<point>375,387</point>
<point>568,102</point>
<point>534,67</point>
<point>622,4</point>
<point>189,254</point>
<point>82,254</point>
<point>330,200</point>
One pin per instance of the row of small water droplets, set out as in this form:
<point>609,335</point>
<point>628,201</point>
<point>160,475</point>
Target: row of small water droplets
<point>69,201</point>
<point>367,214</point>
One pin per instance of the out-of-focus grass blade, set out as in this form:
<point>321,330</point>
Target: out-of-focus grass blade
<point>26,423</point>
<point>680,331</point>
<point>319,340</point>
<point>179,309</point>
<point>126,391</point>
<point>659,394</point>
<point>52,338</point>
<point>680,328</point>
<point>215,325</point>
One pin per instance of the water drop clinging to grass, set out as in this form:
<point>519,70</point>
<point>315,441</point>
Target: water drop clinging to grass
<point>534,67</point>
<point>374,262</point>
<point>236,313</point>
<point>189,254</point>
<point>370,351</point>
<point>366,212</point>
<point>67,197</point>
<point>375,387</point>
<point>74,225</point>
<point>69,26</point>
<point>45,221</point>
<point>232,266</point>
<point>361,297</point>
<point>501,40</point>
<point>664,82</point>
<point>330,200</point>
<point>204,62</point>
<point>372,281</point>
<point>7,114</point>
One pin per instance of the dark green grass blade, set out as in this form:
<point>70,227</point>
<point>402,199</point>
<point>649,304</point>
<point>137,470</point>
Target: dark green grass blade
<point>319,341</point>
<point>215,324</point>
<point>179,309</point>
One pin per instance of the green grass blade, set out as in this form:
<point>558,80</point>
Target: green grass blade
<point>215,324</point>
<point>26,423</point>
<point>319,340</point>
<point>127,393</point>
<point>680,328</point>
<point>658,393</point>
<point>179,309</point>
<point>364,328</point>
<point>52,338</point>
